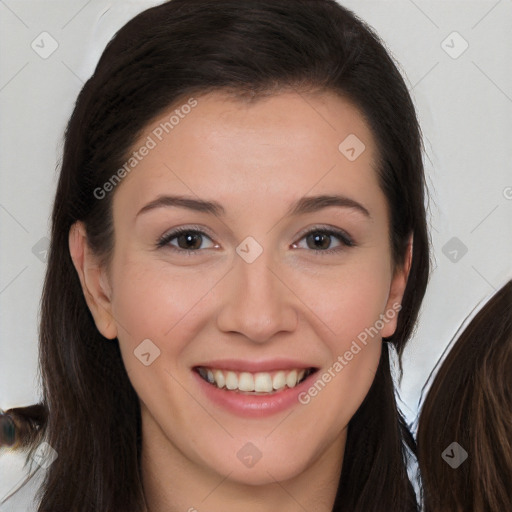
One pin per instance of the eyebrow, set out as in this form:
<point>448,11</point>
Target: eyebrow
<point>303,205</point>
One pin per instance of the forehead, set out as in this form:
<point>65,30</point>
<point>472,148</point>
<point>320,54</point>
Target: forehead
<point>279,146</point>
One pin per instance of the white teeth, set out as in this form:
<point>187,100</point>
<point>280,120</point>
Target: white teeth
<point>246,382</point>
<point>261,382</point>
<point>231,380</point>
<point>279,380</point>
<point>219,378</point>
<point>291,379</point>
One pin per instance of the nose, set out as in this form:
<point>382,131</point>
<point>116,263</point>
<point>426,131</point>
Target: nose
<point>257,302</point>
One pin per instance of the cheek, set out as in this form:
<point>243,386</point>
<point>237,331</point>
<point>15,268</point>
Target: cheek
<point>150,304</point>
<point>152,299</point>
<point>351,309</point>
<point>350,300</point>
<point>350,304</point>
<point>166,305</point>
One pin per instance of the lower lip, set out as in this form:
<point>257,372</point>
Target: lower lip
<point>253,406</point>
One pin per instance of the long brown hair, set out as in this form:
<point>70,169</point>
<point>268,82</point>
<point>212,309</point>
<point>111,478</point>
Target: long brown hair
<point>470,403</point>
<point>177,50</point>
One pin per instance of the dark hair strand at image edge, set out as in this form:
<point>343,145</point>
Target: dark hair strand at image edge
<point>470,402</point>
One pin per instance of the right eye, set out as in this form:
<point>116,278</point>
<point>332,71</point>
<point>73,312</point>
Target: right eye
<point>189,239</point>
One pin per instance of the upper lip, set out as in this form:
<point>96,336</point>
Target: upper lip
<point>267,365</point>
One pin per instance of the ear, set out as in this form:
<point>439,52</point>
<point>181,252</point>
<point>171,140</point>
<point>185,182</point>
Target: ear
<point>396,292</point>
<point>94,281</point>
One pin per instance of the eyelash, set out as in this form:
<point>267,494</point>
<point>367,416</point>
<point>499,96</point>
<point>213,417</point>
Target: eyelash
<point>342,236</point>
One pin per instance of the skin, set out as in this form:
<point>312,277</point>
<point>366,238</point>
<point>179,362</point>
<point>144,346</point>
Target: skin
<point>256,159</point>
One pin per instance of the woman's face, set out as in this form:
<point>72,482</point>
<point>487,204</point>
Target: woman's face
<point>263,289</point>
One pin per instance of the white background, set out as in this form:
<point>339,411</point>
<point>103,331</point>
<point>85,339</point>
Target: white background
<point>465,110</point>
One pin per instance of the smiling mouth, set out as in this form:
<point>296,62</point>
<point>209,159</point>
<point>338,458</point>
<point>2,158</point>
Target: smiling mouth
<point>258,383</point>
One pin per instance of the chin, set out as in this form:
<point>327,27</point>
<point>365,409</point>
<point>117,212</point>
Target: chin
<point>276,465</point>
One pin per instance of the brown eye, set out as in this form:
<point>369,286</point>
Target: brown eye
<point>187,240</point>
<point>320,241</point>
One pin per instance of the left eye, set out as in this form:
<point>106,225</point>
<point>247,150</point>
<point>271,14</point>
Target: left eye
<point>319,238</point>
